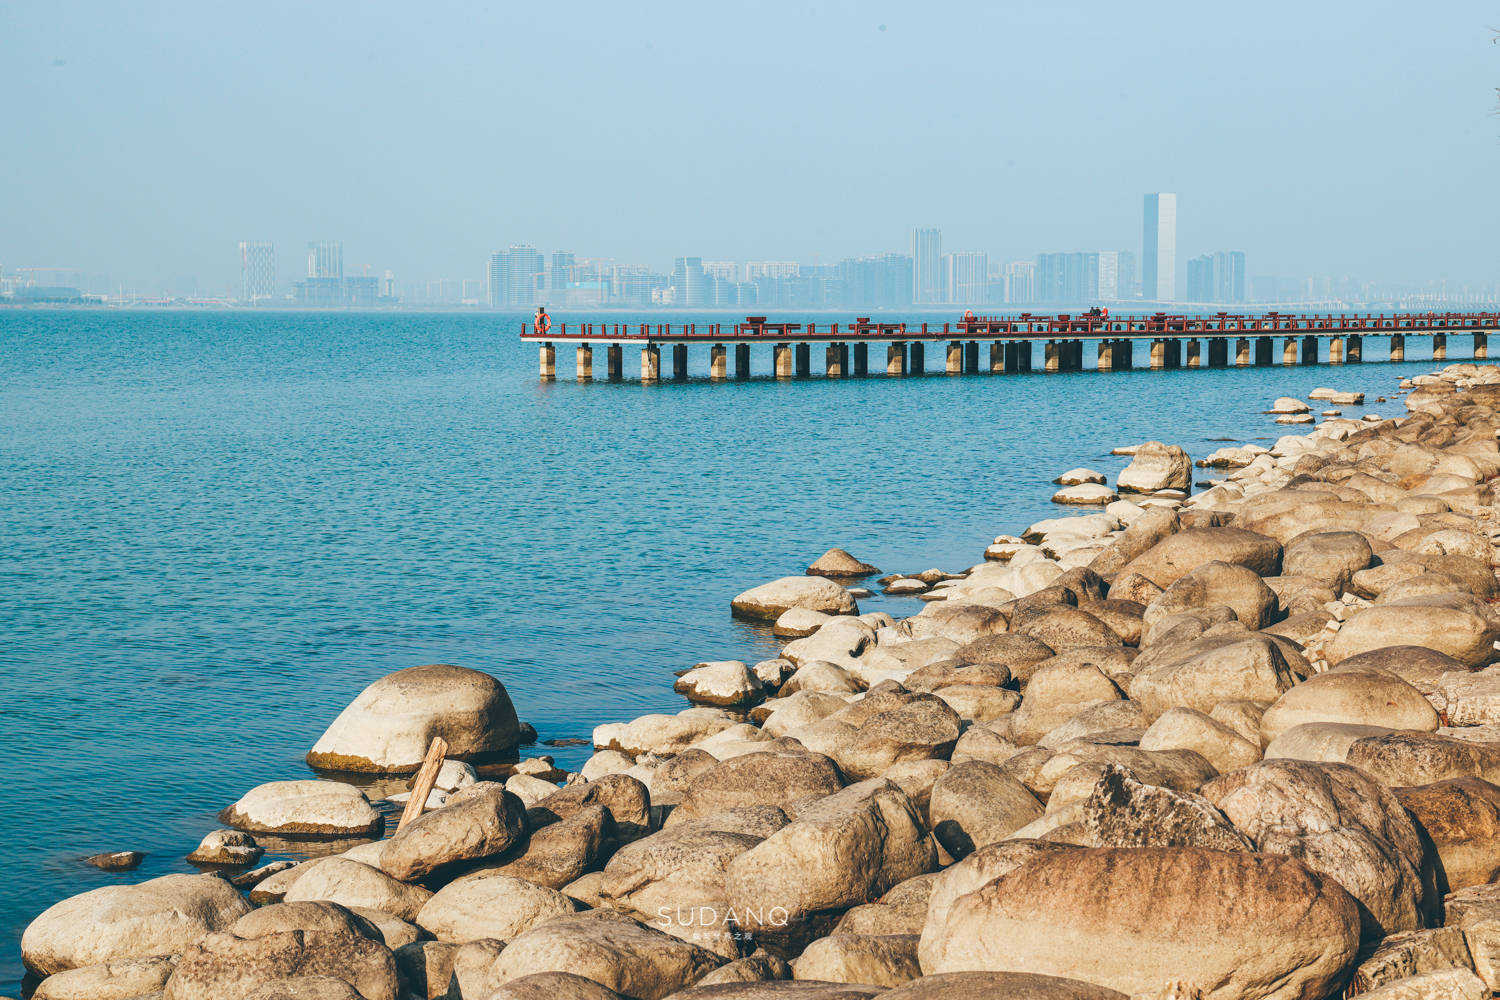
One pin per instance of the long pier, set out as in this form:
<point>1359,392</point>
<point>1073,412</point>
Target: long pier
<point>1176,341</point>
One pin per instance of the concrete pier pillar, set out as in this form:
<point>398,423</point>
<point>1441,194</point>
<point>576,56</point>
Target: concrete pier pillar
<point>1123,354</point>
<point>1051,357</point>
<point>1218,353</point>
<point>1354,350</point>
<point>1077,355</point>
<point>1023,356</point>
<point>1106,356</point>
<point>782,354</point>
<point>1242,352</point>
<point>549,363</point>
<point>1158,355</point>
<point>1194,357</point>
<point>1012,357</point>
<point>997,358</point>
<point>614,362</point>
<point>844,358</point>
<point>1336,351</point>
<point>1398,347</point>
<point>1309,350</point>
<point>1174,354</point>
<point>833,359</point>
<point>1289,351</point>
<point>1481,346</point>
<point>1263,347</point>
<point>918,363</point>
<point>971,358</point>
<point>718,363</point>
<point>804,360</point>
<point>955,359</point>
<point>861,359</point>
<point>741,361</point>
<point>585,363</point>
<point>895,359</point>
<point>651,363</point>
<point>679,363</point>
<point>1440,347</point>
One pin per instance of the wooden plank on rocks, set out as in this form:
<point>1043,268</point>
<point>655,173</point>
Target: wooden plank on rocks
<point>426,777</point>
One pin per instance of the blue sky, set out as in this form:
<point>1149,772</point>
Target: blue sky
<point>1333,138</point>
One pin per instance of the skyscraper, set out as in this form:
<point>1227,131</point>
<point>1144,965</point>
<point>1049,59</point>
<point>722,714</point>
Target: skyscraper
<point>927,266</point>
<point>1229,276</point>
<point>559,270</point>
<point>1067,278</point>
<point>325,259</point>
<point>968,278</point>
<point>1200,279</point>
<point>1109,274</point>
<point>1020,282</point>
<point>513,275</point>
<point>1159,248</point>
<point>688,279</point>
<point>257,272</point>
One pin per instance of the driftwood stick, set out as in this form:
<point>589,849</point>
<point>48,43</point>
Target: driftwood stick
<point>426,777</point>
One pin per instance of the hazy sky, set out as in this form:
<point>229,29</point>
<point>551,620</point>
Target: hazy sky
<point>146,139</point>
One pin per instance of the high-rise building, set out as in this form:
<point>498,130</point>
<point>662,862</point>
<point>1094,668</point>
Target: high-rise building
<point>325,259</point>
<point>1109,275</point>
<point>1159,248</point>
<point>1200,279</point>
<point>1020,282</point>
<point>926,266</point>
<point>968,274</point>
<point>559,270</point>
<point>688,279</point>
<point>1229,276</point>
<point>881,280</point>
<point>388,285</point>
<point>722,270</point>
<point>513,276</point>
<point>1067,278</point>
<point>1130,276</point>
<point>257,272</point>
<point>758,269</point>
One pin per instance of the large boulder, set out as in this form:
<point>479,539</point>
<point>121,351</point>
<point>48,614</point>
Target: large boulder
<point>1202,673</point>
<point>121,979</point>
<point>768,778</point>
<point>977,803</point>
<point>490,905</point>
<point>1218,584</point>
<point>662,735</point>
<point>559,853</point>
<point>991,985</point>
<point>1330,557</point>
<point>845,849</point>
<point>770,600</point>
<point>1418,666</point>
<point>552,986</point>
<point>1403,759</point>
<point>163,916</point>
<point>922,728</point>
<point>1190,729</point>
<point>1156,466</point>
<point>1461,817</point>
<point>876,959</point>
<point>728,683</point>
<point>1228,925</point>
<point>627,800</point>
<point>1465,635</point>
<point>1123,812</point>
<point>305,808</point>
<point>351,883</point>
<point>479,821</point>
<point>1179,554</point>
<point>1363,697</point>
<point>389,727</point>
<point>838,564</point>
<point>612,950</point>
<point>1343,824</point>
<point>1058,691</point>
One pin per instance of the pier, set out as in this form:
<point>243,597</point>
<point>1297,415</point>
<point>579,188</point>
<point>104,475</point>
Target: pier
<point>1003,345</point>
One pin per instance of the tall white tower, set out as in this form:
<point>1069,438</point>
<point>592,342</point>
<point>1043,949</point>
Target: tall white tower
<point>1159,249</point>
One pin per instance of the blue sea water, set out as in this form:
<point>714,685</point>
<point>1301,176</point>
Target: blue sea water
<point>217,527</point>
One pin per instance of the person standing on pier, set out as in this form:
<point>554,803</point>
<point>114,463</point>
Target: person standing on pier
<point>542,323</point>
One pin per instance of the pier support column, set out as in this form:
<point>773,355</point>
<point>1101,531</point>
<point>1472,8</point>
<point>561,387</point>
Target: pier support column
<point>718,363</point>
<point>1289,351</point>
<point>1158,355</point>
<point>895,359</point>
<point>1194,357</point>
<point>1242,352</point>
<point>1354,350</point>
<point>1398,347</point>
<point>782,353</point>
<point>804,360</point>
<point>1309,350</point>
<point>1440,347</point>
<point>1336,351</point>
<point>1106,356</point>
<point>971,358</point>
<point>1263,347</point>
<point>741,361</point>
<point>1050,357</point>
<point>833,359</point>
<point>1077,355</point>
<point>585,363</point>
<point>614,362</point>
<point>1481,346</point>
<point>651,363</point>
<point>1174,354</point>
<point>918,363</point>
<point>1123,354</point>
<point>679,362</point>
<point>955,359</point>
<point>861,359</point>
<point>1023,356</point>
<point>549,363</point>
<point>997,358</point>
<point>1012,357</point>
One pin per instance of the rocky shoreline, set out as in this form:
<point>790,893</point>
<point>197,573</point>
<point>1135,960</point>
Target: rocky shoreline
<point>1235,743</point>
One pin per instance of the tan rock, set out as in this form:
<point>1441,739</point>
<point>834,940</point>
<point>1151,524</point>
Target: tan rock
<point>1360,697</point>
<point>350,883</point>
<point>770,600</point>
<point>1156,466</point>
<point>1320,741</point>
<point>1467,637</point>
<point>121,979</point>
<point>614,951</point>
<point>976,803</point>
<point>839,564</point>
<point>306,809</point>
<point>1179,554</point>
<point>1412,953</point>
<point>1216,584</point>
<point>1461,817</point>
<point>1190,729</point>
<point>879,960</point>
<point>490,905</point>
<point>479,821</point>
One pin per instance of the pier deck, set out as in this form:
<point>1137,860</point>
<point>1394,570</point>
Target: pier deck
<point>1176,341</point>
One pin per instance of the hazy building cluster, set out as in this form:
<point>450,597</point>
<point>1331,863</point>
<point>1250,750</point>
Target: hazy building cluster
<point>325,285</point>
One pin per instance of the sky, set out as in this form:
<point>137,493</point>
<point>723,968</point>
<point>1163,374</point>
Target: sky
<point>145,140</point>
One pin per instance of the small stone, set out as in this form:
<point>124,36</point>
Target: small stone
<point>226,847</point>
<point>1088,494</point>
<point>905,586</point>
<point>116,861</point>
<point>1077,477</point>
<point>838,564</point>
<point>1287,404</point>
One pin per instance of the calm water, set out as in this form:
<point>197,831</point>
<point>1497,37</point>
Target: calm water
<point>216,528</point>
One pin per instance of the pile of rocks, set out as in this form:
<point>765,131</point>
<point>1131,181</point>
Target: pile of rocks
<point>1243,745</point>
